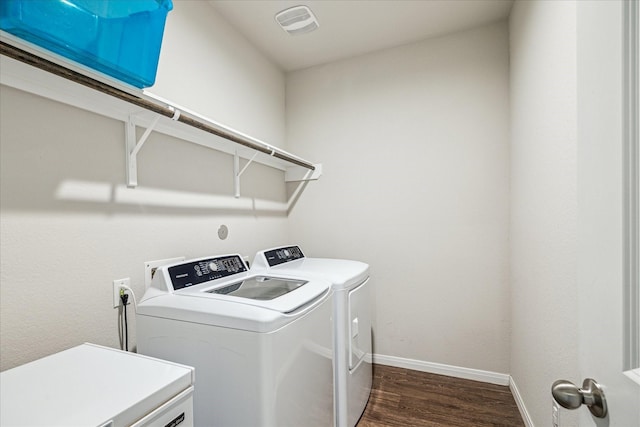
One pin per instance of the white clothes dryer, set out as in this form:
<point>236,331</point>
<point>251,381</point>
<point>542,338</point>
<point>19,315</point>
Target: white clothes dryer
<point>261,345</point>
<point>352,321</point>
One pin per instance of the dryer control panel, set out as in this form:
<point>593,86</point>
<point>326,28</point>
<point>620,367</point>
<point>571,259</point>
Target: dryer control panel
<point>282,255</point>
<point>203,270</point>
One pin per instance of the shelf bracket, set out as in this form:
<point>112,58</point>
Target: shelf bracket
<point>133,146</point>
<point>297,174</point>
<point>237,172</point>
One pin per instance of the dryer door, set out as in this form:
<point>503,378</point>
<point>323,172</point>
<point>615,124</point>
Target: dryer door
<point>359,325</point>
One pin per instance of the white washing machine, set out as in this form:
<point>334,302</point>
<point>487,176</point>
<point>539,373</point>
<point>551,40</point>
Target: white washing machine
<point>91,385</point>
<point>352,321</point>
<point>261,345</point>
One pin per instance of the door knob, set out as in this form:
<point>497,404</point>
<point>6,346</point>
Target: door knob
<point>570,396</point>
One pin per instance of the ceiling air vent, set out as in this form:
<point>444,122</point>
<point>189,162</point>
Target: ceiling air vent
<point>297,20</point>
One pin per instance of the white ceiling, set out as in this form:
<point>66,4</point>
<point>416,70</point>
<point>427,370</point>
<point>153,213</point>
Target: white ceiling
<point>353,27</point>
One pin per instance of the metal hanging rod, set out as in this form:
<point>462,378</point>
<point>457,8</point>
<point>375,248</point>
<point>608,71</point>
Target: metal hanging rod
<point>163,110</point>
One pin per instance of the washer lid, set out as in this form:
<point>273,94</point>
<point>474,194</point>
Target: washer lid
<point>342,273</point>
<point>262,288</point>
<point>201,305</point>
<point>282,295</point>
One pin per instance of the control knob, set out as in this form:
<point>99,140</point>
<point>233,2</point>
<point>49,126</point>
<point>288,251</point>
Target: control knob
<point>213,266</point>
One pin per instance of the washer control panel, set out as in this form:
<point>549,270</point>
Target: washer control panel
<point>282,255</point>
<point>203,270</point>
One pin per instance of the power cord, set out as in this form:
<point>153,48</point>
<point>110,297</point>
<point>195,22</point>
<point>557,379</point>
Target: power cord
<point>133,296</point>
<point>124,298</point>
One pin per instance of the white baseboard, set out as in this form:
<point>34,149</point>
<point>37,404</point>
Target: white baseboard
<point>521,407</point>
<point>438,368</point>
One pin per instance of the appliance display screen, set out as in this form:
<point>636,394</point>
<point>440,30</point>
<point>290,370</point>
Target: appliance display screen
<point>281,255</point>
<point>196,272</point>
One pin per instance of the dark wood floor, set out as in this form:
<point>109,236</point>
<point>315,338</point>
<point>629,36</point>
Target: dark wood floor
<point>401,397</point>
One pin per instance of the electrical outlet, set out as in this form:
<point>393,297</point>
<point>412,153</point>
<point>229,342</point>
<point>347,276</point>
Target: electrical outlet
<point>116,290</point>
<point>150,268</point>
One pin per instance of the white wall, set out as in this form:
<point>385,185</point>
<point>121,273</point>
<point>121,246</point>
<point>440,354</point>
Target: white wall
<point>207,66</point>
<point>544,341</point>
<point>60,255</point>
<point>414,145</point>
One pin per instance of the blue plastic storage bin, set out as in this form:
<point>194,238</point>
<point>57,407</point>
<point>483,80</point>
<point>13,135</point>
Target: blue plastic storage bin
<point>120,38</point>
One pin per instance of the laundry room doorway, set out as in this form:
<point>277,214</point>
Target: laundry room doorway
<point>607,188</point>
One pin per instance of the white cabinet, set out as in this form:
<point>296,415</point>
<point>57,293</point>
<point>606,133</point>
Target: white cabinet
<point>90,385</point>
